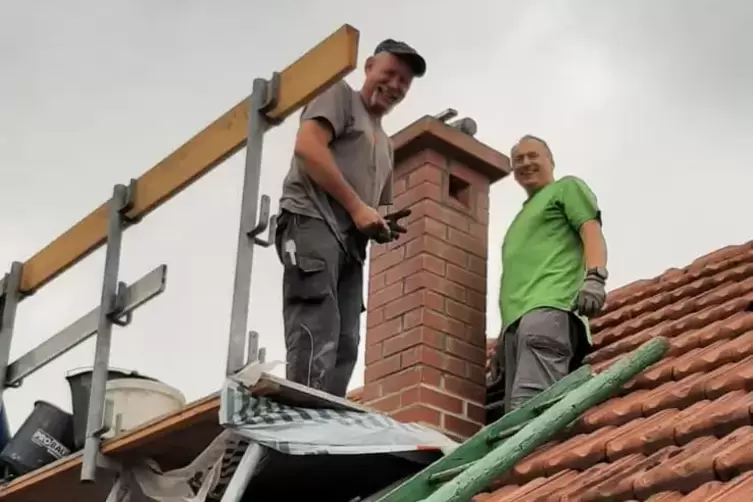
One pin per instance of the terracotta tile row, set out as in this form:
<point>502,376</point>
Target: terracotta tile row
<point>708,469</point>
<point>620,304</point>
<point>652,308</point>
<point>709,385</point>
<point>676,319</point>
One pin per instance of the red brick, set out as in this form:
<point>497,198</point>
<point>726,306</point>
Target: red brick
<point>411,376</point>
<point>419,159</point>
<point>384,330</point>
<point>374,317</point>
<point>476,265</point>
<point>373,353</point>
<point>377,250</point>
<point>436,321</point>
<point>433,282</point>
<point>413,337</point>
<point>431,357</point>
<point>412,195</point>
<point>433,301</point>
<point>399,186</point>
<point>480,232</point>
<point>421,394</point>
<point>403,304</point>
<point>377,282</point>
<point>467,242</point>
<point>476,372</point>
<point>371,391</point>
<point>473,300</point>
<point>465,278</point>
<point>483,199</point>
<point>467,389</point>
<point>381,368</point>
<point>387,260</point>
<point>429,173</point>
<point>482,215</point>
<point>386,404</point>
<point>415,265</point>
<point>432,209</point>
<point>475,412</point>
<point>460,426</point>
<point>461,312</point>
<point>457,367</point>
<point>464,350</point>
<point>439,248</point>
<point>386,295</point>
<point>420,414</point>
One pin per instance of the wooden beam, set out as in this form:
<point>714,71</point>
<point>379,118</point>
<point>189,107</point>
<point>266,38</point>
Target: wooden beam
<point>309,76</point>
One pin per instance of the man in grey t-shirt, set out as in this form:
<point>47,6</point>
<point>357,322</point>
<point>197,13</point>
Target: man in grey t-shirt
<point>341,172</point>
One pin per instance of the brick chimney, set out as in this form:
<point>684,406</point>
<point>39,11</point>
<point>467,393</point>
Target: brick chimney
<point>426,320</point>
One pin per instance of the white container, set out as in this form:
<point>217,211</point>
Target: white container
<point>131,402</point>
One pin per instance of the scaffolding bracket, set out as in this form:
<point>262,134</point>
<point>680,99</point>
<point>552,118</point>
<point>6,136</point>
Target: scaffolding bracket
<point>264,97</point>
<point>121,201</point>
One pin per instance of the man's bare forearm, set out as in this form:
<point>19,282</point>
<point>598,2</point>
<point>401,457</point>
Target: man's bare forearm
<point>319,164</point>
<point>594,245</point>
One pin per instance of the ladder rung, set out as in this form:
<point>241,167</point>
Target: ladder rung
<point>444,476</point>
<point>508,433</point>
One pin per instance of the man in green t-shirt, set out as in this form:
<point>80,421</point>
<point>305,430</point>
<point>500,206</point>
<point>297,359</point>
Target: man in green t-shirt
<point>554,272</point>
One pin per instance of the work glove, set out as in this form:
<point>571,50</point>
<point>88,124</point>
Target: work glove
<point>592,295</point>
<point>395,228</point>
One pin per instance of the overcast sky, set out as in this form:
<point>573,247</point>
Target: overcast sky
<point>650,102</point>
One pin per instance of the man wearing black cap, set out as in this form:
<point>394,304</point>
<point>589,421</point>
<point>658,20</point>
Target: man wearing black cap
<point>341,172</point>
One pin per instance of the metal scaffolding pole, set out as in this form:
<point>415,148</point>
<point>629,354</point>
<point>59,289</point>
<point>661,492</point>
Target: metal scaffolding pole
<point>263,98</point>
<point>111,305</point>
<point>9,299</point>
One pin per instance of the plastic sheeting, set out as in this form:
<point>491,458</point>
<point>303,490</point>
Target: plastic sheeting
<point>304,431</point>
<point>289,430</point>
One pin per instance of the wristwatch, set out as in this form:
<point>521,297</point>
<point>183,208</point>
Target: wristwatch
<point>599,272</point>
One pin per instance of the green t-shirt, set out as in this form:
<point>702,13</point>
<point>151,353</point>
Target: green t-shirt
<point>542,253</point>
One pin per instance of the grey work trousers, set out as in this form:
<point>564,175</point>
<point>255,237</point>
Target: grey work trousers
<point>322,303</point>
<point>538,351</point>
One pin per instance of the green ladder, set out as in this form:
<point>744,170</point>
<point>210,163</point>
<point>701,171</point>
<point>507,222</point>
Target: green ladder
<point>496,448</point>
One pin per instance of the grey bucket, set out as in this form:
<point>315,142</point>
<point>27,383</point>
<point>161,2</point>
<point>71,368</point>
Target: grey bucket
<point>79,381</point>
<point>45,436</point>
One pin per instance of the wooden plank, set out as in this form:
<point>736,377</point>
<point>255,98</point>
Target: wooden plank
<point>310,75</point>
<point>204,410</point>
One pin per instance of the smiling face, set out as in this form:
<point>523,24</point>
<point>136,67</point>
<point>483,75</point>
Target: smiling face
<point>388,79</point>
<point>532,164</point>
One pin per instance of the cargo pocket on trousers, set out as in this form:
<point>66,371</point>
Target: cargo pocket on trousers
<point>307,281</point>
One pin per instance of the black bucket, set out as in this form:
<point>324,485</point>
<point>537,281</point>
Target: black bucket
<point>80,384</point>
<point>45,436</point>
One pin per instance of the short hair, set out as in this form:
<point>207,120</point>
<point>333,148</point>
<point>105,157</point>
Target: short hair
<point>536,138</point>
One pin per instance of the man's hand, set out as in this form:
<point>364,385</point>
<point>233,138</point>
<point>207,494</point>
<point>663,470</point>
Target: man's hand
<point>368,221</point>
<point>394,228</point>
<point>592,295</point>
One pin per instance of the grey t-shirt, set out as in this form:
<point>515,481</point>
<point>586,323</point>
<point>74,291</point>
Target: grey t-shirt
<point>362,151</point>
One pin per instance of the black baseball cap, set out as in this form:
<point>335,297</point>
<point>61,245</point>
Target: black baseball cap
<point>404,52</point>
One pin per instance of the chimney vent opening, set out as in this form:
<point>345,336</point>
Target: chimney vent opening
<point>460,190</point>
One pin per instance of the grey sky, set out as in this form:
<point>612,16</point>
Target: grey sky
<point>650,102</point>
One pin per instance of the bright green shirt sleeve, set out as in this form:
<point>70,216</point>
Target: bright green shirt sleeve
<point>578,202</point>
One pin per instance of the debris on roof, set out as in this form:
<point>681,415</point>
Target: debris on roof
<point>682,430</point>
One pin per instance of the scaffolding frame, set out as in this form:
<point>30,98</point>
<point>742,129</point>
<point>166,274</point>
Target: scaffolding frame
<point>270,103</point>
